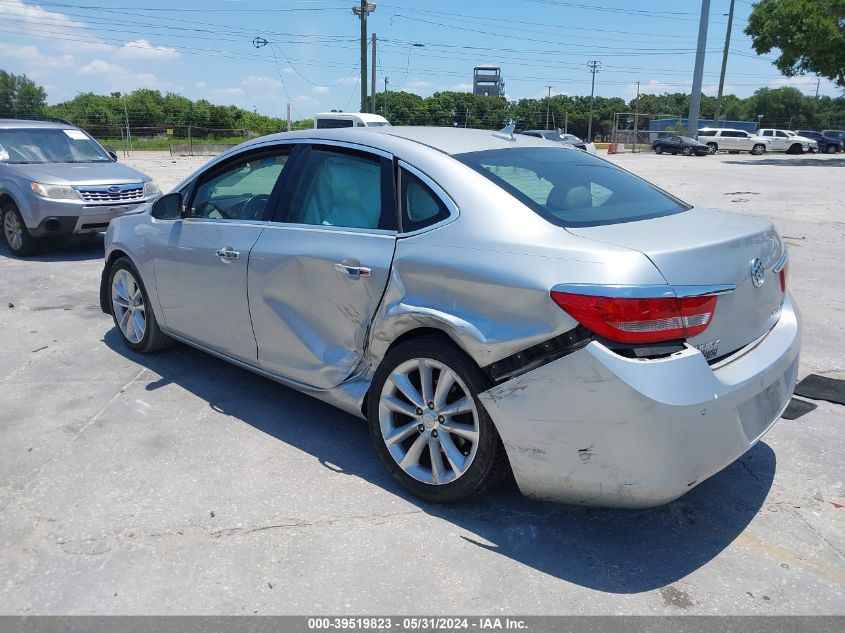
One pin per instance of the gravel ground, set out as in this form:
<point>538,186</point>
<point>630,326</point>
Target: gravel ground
<point>179,484</point>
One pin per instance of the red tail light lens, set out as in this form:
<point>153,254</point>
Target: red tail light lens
<point>636,321</point>
<point>782,274</point>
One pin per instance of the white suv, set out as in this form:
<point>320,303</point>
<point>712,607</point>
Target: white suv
<point>720,138</point>
<point>788,141</point>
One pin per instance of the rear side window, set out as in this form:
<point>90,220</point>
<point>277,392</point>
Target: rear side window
<point>571,188</point>
<point>325,124</point>
<point>342,188</point>
<point>421,207</point>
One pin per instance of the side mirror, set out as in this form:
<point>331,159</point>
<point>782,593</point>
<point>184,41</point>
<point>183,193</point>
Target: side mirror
<point>167,207</point>
<point>112,154</point>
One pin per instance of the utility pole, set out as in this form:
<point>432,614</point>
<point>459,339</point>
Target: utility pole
<point>818,83</point>
<point>593,66</point>
<point>548,105</point>
<point>384,110</point>
<point>565,121</point>
<point>724,65</point>
<point>126,119</point>
<point>288,116</point>
<point>698,72</point>
<point>637,118</point>
<point>373,76</point>
<point>362,12</point>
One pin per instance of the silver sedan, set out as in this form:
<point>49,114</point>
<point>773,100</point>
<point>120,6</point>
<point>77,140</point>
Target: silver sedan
<point>488,302</point>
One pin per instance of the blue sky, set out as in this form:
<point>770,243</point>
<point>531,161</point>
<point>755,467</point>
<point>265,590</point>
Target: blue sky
<point>203,48</point>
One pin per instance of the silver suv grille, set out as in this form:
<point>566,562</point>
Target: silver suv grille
<point>111,193</point>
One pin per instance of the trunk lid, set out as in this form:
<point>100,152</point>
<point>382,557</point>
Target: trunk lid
<point>705,247</point>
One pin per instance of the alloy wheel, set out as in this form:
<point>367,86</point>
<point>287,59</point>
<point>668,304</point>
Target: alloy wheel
<point>429,421</point>
<point>128,304</point>
<point>13,230</point>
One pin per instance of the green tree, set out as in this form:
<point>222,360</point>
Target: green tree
<point>810,35</point>
<point>20,97</point>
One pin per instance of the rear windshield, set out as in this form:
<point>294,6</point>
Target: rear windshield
<point>49,145</point>
<point>571,188</point>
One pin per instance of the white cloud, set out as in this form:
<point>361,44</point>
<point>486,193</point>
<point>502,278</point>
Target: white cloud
<point>144,80</point>
<point>287,70</point>
<point>142,49</point>
<point>305,100</point>
<point>100,67</point>
<point>461,87</point>
<point>227,92</point>
<point>31,18</point>
<point>415,85</point>
<point>200,84</point>
<point>795,82</point>
<point>261,81</point>
<point>34,58</point>
<point>320,90</point>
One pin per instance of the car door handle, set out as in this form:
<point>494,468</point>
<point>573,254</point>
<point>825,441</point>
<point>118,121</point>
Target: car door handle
<point>350,268</point>
<point>227,253</point>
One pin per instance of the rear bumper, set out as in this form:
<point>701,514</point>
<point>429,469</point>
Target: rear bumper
<point>596,428</point>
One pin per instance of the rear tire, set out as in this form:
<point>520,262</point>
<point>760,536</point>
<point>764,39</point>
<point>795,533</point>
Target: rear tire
<point>15,234</point>
<point>713,147</point>
<point>428,426</point>
<point>131,311</point>
<point>830,149</point>
<point>758,149</point>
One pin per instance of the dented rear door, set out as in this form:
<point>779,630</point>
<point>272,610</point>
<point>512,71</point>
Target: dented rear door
<point>317,275</point>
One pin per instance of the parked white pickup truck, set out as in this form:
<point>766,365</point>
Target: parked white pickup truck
<point>730,140</point>
<point>788,141</point>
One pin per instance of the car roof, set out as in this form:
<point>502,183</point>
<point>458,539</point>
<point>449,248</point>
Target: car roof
<point>448,140</point>
<point>362,116</point>
<point>25,124</point>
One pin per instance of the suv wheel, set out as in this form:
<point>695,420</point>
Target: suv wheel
<point>658,149</point>
<point>713,147</point>
<point>758,149</point>
<point>831,149</point>
<point>130,308</point>
<point>15,233</point>
<point>428,426</point>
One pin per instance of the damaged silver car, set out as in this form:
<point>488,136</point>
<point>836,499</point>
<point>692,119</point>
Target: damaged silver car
<point>489,302</point>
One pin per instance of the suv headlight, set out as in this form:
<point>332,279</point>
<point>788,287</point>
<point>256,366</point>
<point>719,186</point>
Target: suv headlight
<point>151,189</point>
<point>56,192</point>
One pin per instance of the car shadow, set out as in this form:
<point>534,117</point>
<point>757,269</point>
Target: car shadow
<point>791,162</point>
<point>616,551</point>
<point>67,249</point>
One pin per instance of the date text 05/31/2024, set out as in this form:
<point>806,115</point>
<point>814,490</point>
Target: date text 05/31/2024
<point>416,623</point>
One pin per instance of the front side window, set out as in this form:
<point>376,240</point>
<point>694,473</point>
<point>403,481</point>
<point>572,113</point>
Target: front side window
<point>572,188</point>
<point>339,188</point>
<point>49,145</point>
<point>241,191</point>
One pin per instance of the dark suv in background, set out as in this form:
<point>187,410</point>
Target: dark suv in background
<point>827,143</point>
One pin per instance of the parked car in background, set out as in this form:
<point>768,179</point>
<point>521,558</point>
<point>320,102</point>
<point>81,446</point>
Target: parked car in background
<point>330,120</point>
<point>730,140</point>
<point>788,141</point>
<point>563,137</point>
<point>680,145</point>
<point>837,134</point>
<point>56,180</point>
<point>827,144</point>
<point>487,301</point>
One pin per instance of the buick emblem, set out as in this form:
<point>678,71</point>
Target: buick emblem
<point>114,189</point>
<point>757,272</point>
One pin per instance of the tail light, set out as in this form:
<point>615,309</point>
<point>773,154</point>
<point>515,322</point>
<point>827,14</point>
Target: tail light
<point>782,275</point>
<point>635,321</point>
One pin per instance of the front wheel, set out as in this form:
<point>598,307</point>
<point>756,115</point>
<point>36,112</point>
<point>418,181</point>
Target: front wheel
<point>658,149</point>
<point>15,233</point>
<point>712,147</point>
<point>428,426</point>
<point>758,149</point>
<point>687,151</point>
<point>831,149</point>
<point>130,308</point>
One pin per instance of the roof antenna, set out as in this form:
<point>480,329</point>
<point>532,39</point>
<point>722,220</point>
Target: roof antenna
<point>506,132</point>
